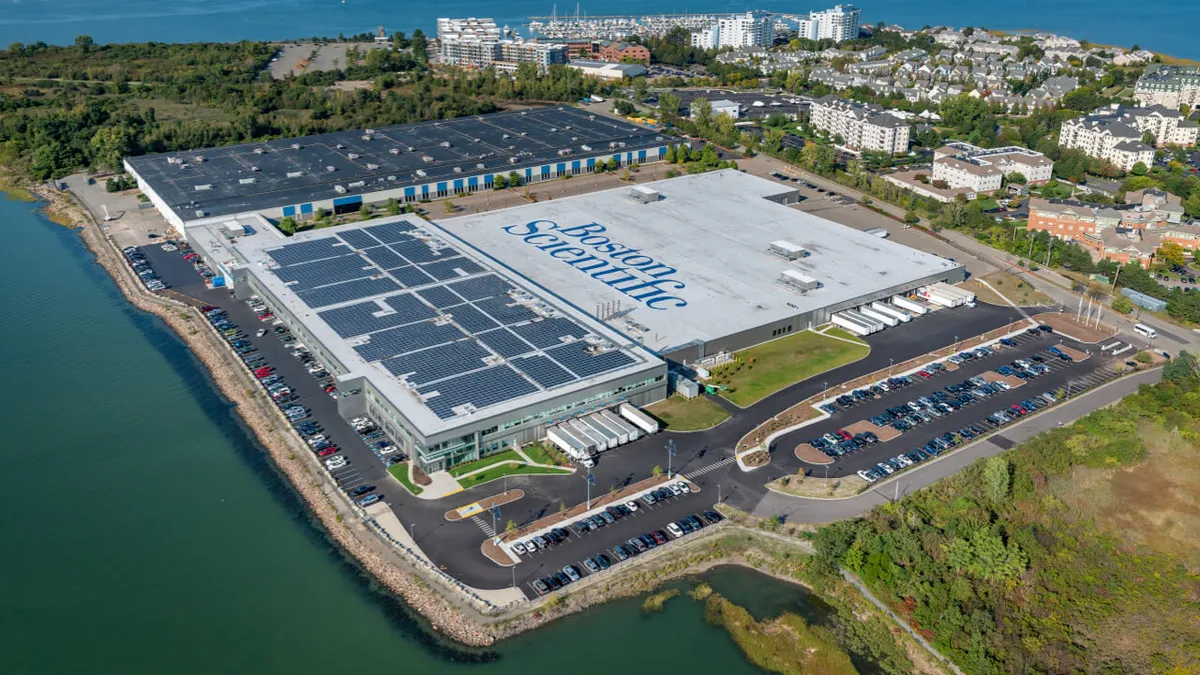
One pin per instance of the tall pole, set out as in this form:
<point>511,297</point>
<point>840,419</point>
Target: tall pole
<point>1115,277</point>
<point>514,573</point>
<point>412,532</point>
<point>1049,248</point>
<point>718,493</point>
<point>891,362</point>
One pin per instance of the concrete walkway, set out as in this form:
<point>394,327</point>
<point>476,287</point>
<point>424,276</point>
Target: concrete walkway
<point>808,510</point>
<point>442,485</point>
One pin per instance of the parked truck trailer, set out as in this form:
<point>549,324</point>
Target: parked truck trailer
<point>892,311</point>
<point>872,313</point>
<point>910,305</point>
<point>638,418</point>
<point>840,319</point>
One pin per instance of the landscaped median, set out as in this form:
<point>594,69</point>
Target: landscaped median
<point>760,371</point>
<point>400,473</point>
<point>509,469</point>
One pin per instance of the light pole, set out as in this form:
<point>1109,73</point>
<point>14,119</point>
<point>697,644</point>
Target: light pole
<point>718,493</point>
<point>670,454</point>
<point>891,362</point>
<point>412,532</point>
<point>824,390</point>
<point>589,478</point>
<point>514,573</point>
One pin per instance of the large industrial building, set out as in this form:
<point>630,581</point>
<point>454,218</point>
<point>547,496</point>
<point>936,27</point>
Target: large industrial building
<point>339,172</point>
<point>694,266</point>
<point>456,357</point>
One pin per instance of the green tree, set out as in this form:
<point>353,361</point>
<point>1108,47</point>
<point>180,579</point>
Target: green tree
<point>669,158</point>
<point>287,225</point>
<point>656,471</point>
<point>668,105</point>
<point>393,207</point>
<point>1171,253</point>
<point>110,145</point>
<point>514,179</point>
<point>499,182</point>
<point>510,526</point>
<point>1122,304</point>
<point>1148,139</point>
<point>639,89</point>
<point>996,477</point>
<point>1191,205</point>
<point>1015,178</point>
<point>818,158</point>
<point>1139,169</point>
<point>701,110</point>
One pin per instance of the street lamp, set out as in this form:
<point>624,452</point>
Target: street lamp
<point>670,454</point>
<point>412,532</point>
<point>891,362</point>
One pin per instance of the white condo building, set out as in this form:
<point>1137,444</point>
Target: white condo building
<point>479,43</point>
<point>752,29</point>
<point>963,165</point>
<point>838,24</point>
<point>861,126</point>
<point>1115,133</point>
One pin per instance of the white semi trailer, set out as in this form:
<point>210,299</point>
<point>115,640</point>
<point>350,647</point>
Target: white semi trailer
<point>892,311</point>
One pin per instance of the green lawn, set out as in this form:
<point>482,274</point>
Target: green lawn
<point>506,470</point>
<point>539,454</point>
<point>506,456</point>
<point>769,367</point>
<point>400,473</point>
<point>987,204</point>
<point>680,414</point>
<point>844,334</point>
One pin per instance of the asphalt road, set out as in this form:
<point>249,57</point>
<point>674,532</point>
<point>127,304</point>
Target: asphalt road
<point>703,456</point>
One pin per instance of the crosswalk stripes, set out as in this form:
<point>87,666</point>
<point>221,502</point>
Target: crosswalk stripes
<point>711,467</point>
<point>484,525</point>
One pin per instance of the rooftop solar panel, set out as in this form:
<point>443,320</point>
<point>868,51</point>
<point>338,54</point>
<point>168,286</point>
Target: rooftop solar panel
<point>396,341</point>
<point>440,297</point>
<point>472,320</point>
<point>324,272</point>
<point>345,292</point>
<point>411,276</point>
<point>384,257</point>
<point>305,251</point>
<point>481,287</point>
<point>576,357</point>
<point>420,252</point>
<point>549,332</point>
<point>480,389</point>
<point>543,371</point>
<point>504,343</point>
<point>438,362</point>
<point>410,307</point>
<point>358,239</point>
<point>390,232</point>
<point>361,319</point>
<point>453,268</point>
<point>505,311</point>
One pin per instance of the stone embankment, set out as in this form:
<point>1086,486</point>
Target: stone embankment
<point>451,618</point>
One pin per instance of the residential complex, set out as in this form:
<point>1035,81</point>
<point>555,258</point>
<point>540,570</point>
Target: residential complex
<point>752,29</point>
<point>605,50</point>
<point>838,24</point>
<point>1170,86</point>
<point>1115,133</point>
<point>1129,232</point>
<point>963,165</point>
<point>479,43</point>
<point>861,126</point>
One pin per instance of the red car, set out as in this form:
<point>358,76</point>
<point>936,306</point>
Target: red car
<point>325,452</point>
<point>330,388</point>
<point>266,317</point>
<point>925,374</point>
<point>262,372</point>
<point>844,434</point>
<point>189,256</point>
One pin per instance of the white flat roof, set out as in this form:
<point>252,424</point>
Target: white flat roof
<point>694,265</point>
<point>447,336</point>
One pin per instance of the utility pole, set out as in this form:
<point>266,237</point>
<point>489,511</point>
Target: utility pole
<point>1049,248</point>
<point>1115,277</point>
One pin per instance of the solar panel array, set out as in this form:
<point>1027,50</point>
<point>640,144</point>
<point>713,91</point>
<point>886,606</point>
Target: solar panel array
<point>437,319</point>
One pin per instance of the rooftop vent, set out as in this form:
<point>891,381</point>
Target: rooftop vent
<point>513,160</point>
<point>295,174</point>
<point>198,159</point>
<point>426,158</point>
<point>295,146</point>
<point>339,146</point>
<point>353,155</point>
<point>444,144</point>
<point>394,151</point>
<point>458,169</point>
<point>371,166</point>
<point>585,148</point>
<point>340,189</point>
<point>480,166</point>
<point>503,135</point>
<point>259,151</point>
<point>644,194</point>
<point>391,178</point>
<point>246,181</point>
<point>330,169</point>
<point>421,173</point>
<point>254,168</point>
<point>202,188</point>
<point>357,183</point>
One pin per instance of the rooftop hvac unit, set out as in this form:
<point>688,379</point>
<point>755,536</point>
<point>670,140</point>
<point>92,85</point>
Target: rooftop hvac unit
<point>585,148</point>
<point>798,281</point>
<point>340,189</point>
<point>173,160</point>
<point>503,135</point>
<point>787,250</point>
<point>394,151</point>
<point>369,131</point>
<point>564,152</point>
<point>458,169</point>
<point>480,166</point>
<point>353,155</point>
<point>202,188</point>
<point>391,178</point>
<point>420,173</point>
<point>339,146</point>
<point>357,183</point>
<point>254,168</point>
<point>426,158</point>
<point>367,137</point>
<point>199,213</point>
<point>644,194</point>
<point>198,159</point>
<point>246,181</point>
<point>513,160</point>
<point>259,151</point>
<point>444,144</point>
<point>553,129</point>
<point>371,166</point>
<point>295,174</point>
<point>295,146</point>
<point>330,169</point>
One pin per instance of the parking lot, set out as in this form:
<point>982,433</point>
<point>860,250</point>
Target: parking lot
<point>942,417</point>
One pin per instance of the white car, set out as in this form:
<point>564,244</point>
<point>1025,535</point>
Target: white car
<point>335,463</point>
<point>359,420</point>
<point>674,530</point>
<point>866,476</point>
<point>518,548</point>
<point>904,461</point>
<point>674,487</point>
<point>632,506</point>
<point>683,487</point>
<point>315,440</point>
<point>261,332</point>
<point>531,546</point>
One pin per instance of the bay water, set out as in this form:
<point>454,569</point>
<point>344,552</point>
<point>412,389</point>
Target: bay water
<point>143,531</point>
<point>1161,25</point>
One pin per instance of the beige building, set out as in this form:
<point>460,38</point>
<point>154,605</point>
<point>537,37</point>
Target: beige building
<point>1170,86</point>
<point>963,165</point>
<point>862,127</point>
<point>1115,133</point>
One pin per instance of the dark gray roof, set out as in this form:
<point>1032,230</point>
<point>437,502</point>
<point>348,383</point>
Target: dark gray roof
<point>255,176</point>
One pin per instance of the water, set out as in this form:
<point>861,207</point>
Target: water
<point>1157,24</point>
<point>142,527</point>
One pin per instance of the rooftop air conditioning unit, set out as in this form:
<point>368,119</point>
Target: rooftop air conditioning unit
<point>391,178</point>
<point>480,166</point>
<point>340,189</point>
<point>644,194</point>
<point>259,151</point>
<point>339,146</point>
<point>295,146</point>
<point>198,159</point>
<point>246,181</point>
<point>254,168</point>
<point>353,155</point>
<point>295,174</point>
<point>426,158</point>
<point>503,135</point>
<point>444,144</point>
<point>368,131</point>
<point>458,169</point>
<point>357,183</point>
<point>585,148</point>
<point>421,173</point>
<point>513,160</point>
<point>394,151</point>
<point>330,169</point>
<point>372,166</point>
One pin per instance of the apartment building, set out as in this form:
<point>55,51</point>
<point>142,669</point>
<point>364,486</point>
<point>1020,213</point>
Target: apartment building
<point>1115,133</point>
<point>838,24</point>
<point>479,43</point>
<point>624,52</point>
<point>1129,232</point>
<point>1169,86</point>
<point>861,126</point>
<point>963,165</point>
<point>752,29</point>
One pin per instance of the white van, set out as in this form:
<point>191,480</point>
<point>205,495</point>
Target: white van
<point>1143,329</point>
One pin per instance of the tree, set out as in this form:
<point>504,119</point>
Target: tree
<point>110,145</point>
<point>514,179</point>
<point>1016,178</point>
<point>818,158</point>
<point>510,526</point>
<point>85,43</point>
<point>996,478</point>
<point>1139,169</point>
<point>499,182</point>
<point>1122,304</point>
<point>1191,205</point>
<point>639,89</point>
<point>287,225</point>
<point>669,158</point>
<point>656,471</point>
<point>701,110</point>
<point>1171,253</point>
<point>1148,139</point>
<point>393,207</point>
<point>668,105</point>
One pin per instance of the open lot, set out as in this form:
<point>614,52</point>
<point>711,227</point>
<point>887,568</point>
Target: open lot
<point>1009,286</point>
<point>681,414</point>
